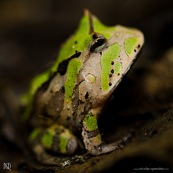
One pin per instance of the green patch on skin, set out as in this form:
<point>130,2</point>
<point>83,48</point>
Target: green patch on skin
<point>63,144</point>
<point>101,28</point>
<point>117,67</point>
<point>107,57</point>
<point>47,139</point>
<point>34,134</point>
<point>90,122</point>
<point>72,71</point>
<point>130,44</point>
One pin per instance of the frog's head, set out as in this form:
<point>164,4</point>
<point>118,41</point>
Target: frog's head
<point>111,53</point>
<point>95,59</point>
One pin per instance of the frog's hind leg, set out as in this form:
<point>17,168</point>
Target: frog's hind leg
<point>55,138</point>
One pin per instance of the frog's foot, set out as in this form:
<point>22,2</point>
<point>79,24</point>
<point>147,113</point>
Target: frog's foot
<point>92,138</point>
<point>106,148</point>
<point>55,138</point>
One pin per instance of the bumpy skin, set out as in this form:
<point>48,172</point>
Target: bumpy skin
<point>69,97</point>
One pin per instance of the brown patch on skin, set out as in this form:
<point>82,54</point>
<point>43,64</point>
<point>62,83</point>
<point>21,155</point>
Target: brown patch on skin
<point>50,110</point>
<point>91,134</point>
<point>75,105</point>
<point>55,105</point>
<point>55,143</point>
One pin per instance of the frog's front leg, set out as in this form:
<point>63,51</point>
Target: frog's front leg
<point>55,138</point>
<point>92,138</point>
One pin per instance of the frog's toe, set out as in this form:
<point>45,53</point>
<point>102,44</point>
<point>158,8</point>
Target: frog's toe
<point>71,146</point>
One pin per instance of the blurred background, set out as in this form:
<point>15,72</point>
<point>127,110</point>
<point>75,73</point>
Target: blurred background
<point>32,32</point>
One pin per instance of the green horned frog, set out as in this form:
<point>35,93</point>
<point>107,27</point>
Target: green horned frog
<point>67,99</point>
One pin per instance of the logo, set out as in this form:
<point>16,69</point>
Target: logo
<point>7,166</point>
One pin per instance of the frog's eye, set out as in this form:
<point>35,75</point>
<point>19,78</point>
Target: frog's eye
<point>98,43</point>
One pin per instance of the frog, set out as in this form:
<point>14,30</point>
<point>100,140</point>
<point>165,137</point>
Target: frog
<point>64,103</point>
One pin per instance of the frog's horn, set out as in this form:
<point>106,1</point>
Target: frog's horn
<point>90,17</point>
